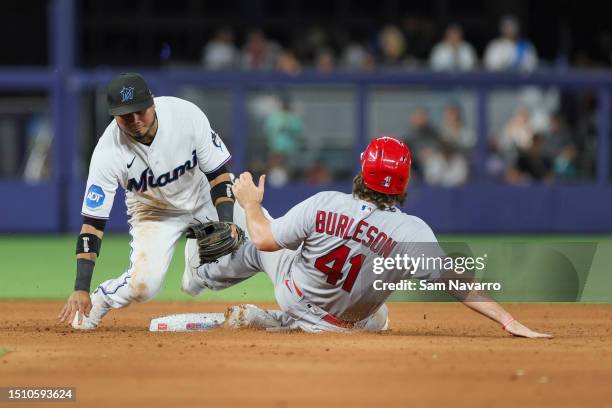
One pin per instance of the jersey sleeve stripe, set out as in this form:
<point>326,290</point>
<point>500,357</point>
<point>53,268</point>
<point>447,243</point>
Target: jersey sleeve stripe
<point>219,166</point>
<point>94,216</point>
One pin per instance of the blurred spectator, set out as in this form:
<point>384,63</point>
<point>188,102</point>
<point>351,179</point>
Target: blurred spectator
<point>423,139</point>
<point>564,164</point>
<point>356,57</point>
<point>558,136</point>
<point>308,44</point>
<point>516,134</point>
<point>541,103</point>
<point>584,118</point>
<point>278,175</point>
<point>446,167</point>
<point>510,52</point>
<point>532,164</point>
<point>326,62</point>
<point>454,131</point>
<point>283,130</point>
<point>559,145</point>
<point>391,45</point>
<point>259,53</point>
<point>220,52</point>
<point>495,165</point>
<point>318,174</point>
<point>287,63</point>
<point>453,54</point>
<point>420,36</point>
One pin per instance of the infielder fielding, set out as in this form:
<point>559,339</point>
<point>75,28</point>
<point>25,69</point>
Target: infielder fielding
<point>319,256</point>
<point>170,162</point>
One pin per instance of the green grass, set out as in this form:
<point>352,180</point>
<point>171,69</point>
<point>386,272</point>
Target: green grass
<point>43,267</point>
<point>3,351</point>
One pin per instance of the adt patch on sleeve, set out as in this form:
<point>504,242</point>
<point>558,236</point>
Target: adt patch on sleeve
<point>95,196</point>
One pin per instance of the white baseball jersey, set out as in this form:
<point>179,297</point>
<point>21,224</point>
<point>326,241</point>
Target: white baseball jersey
<point>338,237</point>
<point>168,174</point>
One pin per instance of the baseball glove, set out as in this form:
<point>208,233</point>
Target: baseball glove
<point>215,239</point>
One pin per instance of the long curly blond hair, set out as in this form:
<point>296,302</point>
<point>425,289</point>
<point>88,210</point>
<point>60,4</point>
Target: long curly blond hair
<point>381,200</point>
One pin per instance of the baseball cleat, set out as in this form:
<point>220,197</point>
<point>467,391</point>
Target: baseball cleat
<point>379,321</point>
<point>191,283</point>
<point>99,309</point>
<point>249,316</point>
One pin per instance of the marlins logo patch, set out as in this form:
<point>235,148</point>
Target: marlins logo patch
<point>216,139</point>
<point>127,93</point>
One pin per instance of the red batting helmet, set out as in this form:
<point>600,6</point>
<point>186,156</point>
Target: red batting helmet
<point>385,165</point>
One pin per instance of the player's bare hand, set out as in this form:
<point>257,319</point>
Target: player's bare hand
<point>519,330</point>
<point>245,190</point>
<point>80,302</point>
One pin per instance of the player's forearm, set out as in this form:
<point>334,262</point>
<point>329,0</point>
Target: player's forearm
<point>222,196</point>
<point>479,301</point>
<point>260,228</point>
<point>494,311</point>
<point>218,179</point>
<point>88,229</point>
<point>88,249</point>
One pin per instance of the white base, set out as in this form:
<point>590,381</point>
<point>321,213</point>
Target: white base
<point>187,322</point>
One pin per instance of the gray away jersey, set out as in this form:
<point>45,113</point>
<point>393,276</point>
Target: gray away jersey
<point>338,237</point>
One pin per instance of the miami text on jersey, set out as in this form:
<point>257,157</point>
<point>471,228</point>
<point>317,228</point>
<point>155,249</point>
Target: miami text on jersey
<point>147,179</point>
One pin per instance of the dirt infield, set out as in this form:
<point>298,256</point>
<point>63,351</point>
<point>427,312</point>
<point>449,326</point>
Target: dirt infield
<point>436,354</point>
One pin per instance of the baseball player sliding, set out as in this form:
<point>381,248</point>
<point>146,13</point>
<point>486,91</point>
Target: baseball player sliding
<point>170,162</point>
<point>320,254</point>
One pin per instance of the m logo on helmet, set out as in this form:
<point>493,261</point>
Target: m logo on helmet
<point>127,93</point>
<point>386,181</point>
